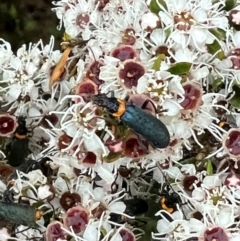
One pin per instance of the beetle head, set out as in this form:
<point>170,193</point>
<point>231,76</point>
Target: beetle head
<point>21,120</point>
<point>101,100</point>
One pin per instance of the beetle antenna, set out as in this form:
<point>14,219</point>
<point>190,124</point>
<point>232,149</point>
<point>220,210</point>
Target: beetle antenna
<point>89,48</point>
<point>25,234</point>
<point>169,185</point>
<point>66,184</point>
<point>37,201</point>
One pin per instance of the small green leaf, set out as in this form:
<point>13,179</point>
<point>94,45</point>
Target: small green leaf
<point>180,68</point>
<point>230,4</point>
<point>209,167</point>
<point>149,228</point>
<point>191,160</point>
<point>103,231</point>
<point>168,31</point>
<point>216,48</point>
<point>158,61</point>
<point>154,6</point>
<point>112,157</point>
<point>31,25</point>
<point>13,11</point>
<point>218,33</point>
<point>217,83</point>
<point>66,37</point>
<point>64,177</point>
<point>235,100</point>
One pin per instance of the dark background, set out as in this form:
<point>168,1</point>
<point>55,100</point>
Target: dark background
<point>25,21</point>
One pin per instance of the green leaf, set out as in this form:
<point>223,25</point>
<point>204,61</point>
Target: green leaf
<point>180,68</point>
<point>31,25</point>
<point>64,177</point>
<point>158,61</point>
<point>230,4</point>
<point>155,8</point>
<point>235,100</point>
<point>66,37</point>
<point>149,228</point>
<point>103,231</point>
<point>168,31</point>
<point>191,160</point>
<point>151,219</point>
<point>13,11</point>
<point>216,48</point>
<point>217,83</point>
<point>112,157</point>
<point>218,33</point>
<point>209,167</point>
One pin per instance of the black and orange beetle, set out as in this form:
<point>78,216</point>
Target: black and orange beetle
<point>142,123</point>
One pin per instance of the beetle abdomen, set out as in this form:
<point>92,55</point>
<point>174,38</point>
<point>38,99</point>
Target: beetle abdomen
<point>146,125</point>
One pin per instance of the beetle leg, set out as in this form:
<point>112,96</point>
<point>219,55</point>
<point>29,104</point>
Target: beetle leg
<point>8,148</point>
<point>114,186</point>
<point>145,103</point>
<point>126,99</point>
<point>22,232</point>
<point>111,92</point>
<point>8,195</point>
<point>163,110</point>
<point>33,238</point>
<point>166,186</point>
<point>20,199</point>
<point>138,222</point>
<point>141,145</point>
<point>103,133</point>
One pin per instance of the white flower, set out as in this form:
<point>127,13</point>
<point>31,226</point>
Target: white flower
<point>5,52</point>
<point>44,192</point>
<point>4,235</point>
<point>78,17</point>
<point>22,233</point>
<point>191,22</point>
<point>36,176</point>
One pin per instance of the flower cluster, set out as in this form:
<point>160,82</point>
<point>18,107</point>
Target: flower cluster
<point>179,62</point>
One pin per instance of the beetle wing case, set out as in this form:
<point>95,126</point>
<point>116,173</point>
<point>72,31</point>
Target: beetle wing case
<point>18,213</point>
<point>146,125</point>
<point>17,151</point>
